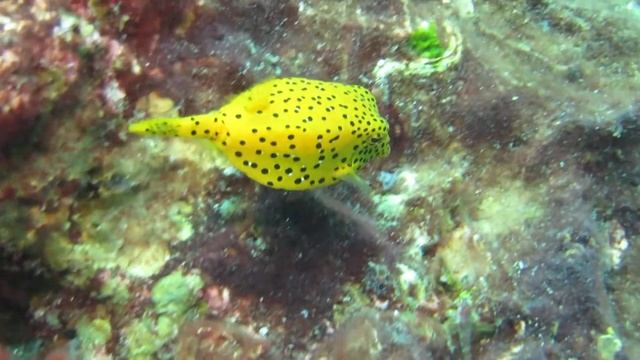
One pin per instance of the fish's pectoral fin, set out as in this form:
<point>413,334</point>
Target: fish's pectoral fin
<point>349,174</point>
<point>358,182</point>
<point>342,171</point>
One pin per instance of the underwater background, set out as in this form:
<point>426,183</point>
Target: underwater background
<point>504,223</point>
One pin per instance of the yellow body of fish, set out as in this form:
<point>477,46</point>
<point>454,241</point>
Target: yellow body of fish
<point>289,133</point>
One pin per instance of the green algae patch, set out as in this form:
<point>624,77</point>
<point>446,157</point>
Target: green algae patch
<point>465,259</point>
<point>427,181</point>
<point>230,207</point>
<point>116,289</point>
<point>173,296</point>
<point>353,301</point>
<point>425,41</point>
<point>411,287</point>
<point>93,334</point>
<point>390,207</point>
<point>142,341</point>
<point>506,209</point>
<point>113,235</point>
<point>175,293</point>
<point>437,50</point>
<point>179,214</point>
<point>608,345</point>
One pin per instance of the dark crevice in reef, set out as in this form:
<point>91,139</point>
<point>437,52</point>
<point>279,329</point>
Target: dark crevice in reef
<point>17,287</point>
<point>311,252</point>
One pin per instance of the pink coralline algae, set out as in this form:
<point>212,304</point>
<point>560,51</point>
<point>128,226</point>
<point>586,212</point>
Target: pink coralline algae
<point>36,71</point>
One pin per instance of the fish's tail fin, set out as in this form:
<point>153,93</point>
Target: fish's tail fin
<point>196,126</point>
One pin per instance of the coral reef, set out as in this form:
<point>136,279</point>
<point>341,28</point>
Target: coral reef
<point>37,71</point>
<point>504,223</point>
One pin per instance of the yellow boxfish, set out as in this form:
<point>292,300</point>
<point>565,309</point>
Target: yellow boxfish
<point>289,133</point>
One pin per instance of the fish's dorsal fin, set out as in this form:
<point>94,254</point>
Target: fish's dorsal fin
<point>257,101</point>
<point>253,100</point>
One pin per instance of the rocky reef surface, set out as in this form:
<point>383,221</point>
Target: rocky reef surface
<point>504,224</point>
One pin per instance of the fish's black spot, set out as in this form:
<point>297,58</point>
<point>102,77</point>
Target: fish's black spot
<point>238,154</point>
<point>274,155</point>
<point>264,171</point>
<point>297,181</point>
<point>276,166</point>
<point>262,139</point>
<point>291,137</point>
<point>254,130</point>
<point>193,132</point>
<point>238,116</point>
<point>279,178</point>
<point>288,171</point>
